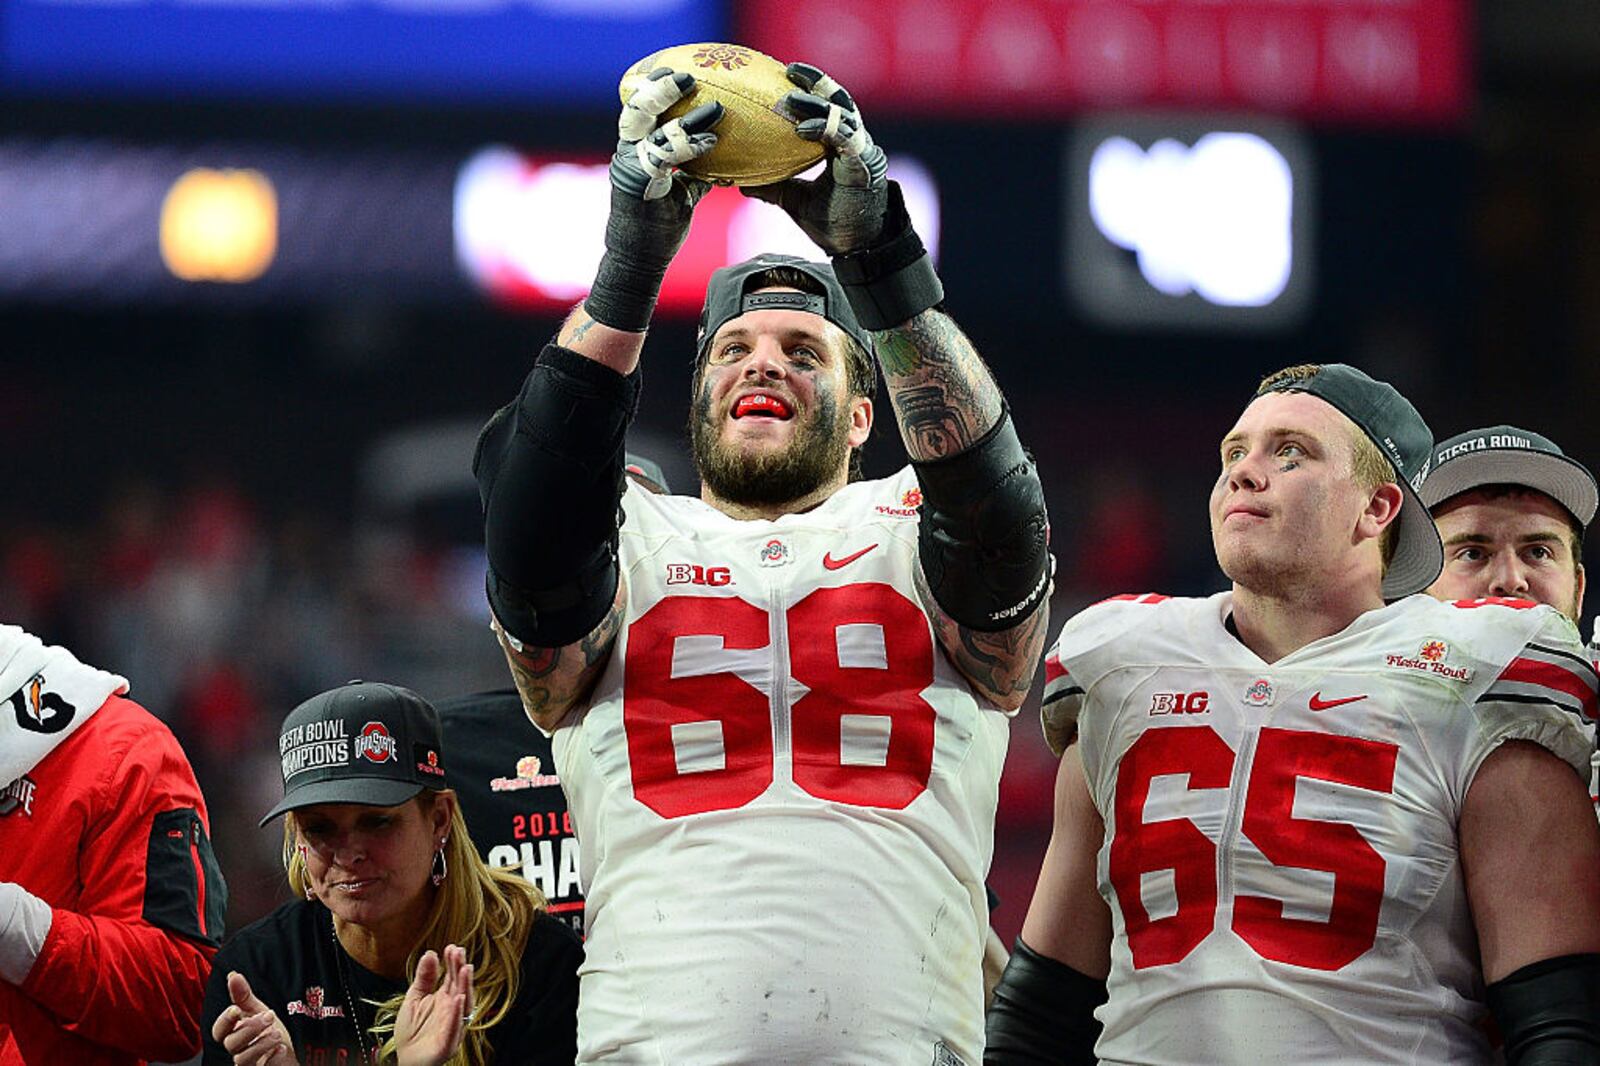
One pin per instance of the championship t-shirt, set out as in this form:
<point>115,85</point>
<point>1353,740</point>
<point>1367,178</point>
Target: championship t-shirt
<point>505,777</point>
<point>296,966</point>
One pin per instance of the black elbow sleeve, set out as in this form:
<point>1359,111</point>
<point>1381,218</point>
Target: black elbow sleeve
<point>984,538</point>
<point>1549,1012</point>
<point>550,474</point>
<point>1042,1014</point>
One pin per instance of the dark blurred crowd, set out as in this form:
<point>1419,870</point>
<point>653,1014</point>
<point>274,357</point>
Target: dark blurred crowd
<point>224,614</point>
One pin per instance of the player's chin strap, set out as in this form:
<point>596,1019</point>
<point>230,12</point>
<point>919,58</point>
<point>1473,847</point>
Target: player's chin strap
<point>1042,1014</point>
<point>1549,1012</point>
<point>984,536</point>
<point>550,473</point>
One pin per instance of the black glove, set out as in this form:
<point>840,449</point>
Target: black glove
<point>652,201</point>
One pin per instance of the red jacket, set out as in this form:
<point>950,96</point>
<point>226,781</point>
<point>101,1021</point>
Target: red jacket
<point>111,831</point>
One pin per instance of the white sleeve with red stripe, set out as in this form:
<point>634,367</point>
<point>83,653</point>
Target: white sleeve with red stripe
<point>1548,694</point>
<point>1593,655</point>
<point>1067,664</point>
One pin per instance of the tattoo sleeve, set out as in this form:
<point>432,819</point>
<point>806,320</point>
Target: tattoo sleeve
<point>1001,666</point>
<point>551,681</point>
<point>944,396</point>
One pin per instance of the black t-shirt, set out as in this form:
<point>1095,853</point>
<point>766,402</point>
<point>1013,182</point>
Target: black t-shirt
<point>296,967</point>
<point>504,774</point>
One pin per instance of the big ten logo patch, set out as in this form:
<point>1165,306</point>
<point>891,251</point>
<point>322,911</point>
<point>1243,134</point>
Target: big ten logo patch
<point>689,574</point>
<point>1179,703</point>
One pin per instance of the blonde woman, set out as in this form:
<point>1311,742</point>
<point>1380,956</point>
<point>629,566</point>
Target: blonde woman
<point>371,965</point>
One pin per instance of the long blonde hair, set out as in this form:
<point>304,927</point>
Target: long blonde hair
<point>487,911</point>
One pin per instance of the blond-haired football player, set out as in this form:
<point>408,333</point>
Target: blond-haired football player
<point>1315,818</point>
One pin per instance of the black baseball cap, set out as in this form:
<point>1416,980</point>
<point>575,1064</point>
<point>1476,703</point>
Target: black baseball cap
<point>1393,424</point>
<point>727,297</point>
<point>365,742</point>
<point>1508,455</point>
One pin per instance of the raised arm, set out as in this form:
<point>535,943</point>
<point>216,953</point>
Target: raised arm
<point>550,464</point>
<point>985,574</point>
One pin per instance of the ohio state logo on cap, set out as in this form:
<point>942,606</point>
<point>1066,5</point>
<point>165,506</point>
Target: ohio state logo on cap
<point>375,744</point>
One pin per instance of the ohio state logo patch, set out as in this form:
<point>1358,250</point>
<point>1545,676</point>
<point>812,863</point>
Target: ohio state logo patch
<point>375,744</point>
<point>1260,693</point>
<point>774,553</point>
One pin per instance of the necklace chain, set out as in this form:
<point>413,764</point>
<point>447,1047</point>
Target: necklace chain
<point>344,983</point>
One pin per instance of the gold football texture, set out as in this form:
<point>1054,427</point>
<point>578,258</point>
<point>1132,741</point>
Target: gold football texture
<point>756,142</point>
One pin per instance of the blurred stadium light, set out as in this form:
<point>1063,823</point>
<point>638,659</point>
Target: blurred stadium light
<point>104,222</point>
<point>530,231</point>
<point>220,225</point>
<point>1179,222</point>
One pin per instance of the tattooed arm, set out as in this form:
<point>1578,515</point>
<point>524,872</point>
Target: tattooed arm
<point>552,681</point>
<point>615,348</point>
<point>943,395</point>
<point>999,665</point>
<point>945,400</point>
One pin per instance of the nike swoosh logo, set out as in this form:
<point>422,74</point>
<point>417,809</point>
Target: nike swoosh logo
<point>830,563</point>
<point>1320,704</point>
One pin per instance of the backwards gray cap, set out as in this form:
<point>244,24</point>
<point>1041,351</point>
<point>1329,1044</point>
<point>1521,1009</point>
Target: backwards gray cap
<point>727,297</point>
<point>1507,455</point>
<point>1393,424</point>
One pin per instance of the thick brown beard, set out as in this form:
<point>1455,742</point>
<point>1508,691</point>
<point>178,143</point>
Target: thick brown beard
<point>816,454</point>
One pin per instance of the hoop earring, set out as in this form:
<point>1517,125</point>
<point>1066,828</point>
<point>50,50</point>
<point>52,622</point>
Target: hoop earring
<point>304,872</point>
<point>441,868</point>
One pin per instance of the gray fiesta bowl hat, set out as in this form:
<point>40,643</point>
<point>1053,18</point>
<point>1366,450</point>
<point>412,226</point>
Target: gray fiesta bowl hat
<point>1394,425</point>
<point>1507,455</point>
<point>364,742</point>
<point>727,298</point>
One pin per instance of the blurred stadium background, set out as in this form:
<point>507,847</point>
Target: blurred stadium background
<point>265,265</point>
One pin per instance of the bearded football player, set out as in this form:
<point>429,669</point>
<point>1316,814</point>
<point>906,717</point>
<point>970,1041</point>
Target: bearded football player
<point>1315,818</point>
<point>779,709</point>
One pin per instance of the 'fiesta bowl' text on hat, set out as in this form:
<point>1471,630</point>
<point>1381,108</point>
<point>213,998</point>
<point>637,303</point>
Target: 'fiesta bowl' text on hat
<point>365,742</point>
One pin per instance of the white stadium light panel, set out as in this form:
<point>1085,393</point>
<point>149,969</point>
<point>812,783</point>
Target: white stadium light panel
<point>1180,223</point>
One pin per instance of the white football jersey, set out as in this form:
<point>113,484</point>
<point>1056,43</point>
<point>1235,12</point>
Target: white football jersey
<point>785,795</point>
<point>1280,855</point>
<point>1594,770</point>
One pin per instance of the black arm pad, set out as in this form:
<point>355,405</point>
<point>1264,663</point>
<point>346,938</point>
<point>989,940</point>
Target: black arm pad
<point>984,535</point>
<point>1043,1013</point>
<point>894,282</point>
<point>550,473</point>
<point>1549,1012</point>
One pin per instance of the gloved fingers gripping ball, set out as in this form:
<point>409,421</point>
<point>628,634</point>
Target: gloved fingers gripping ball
<point>842,210</point>
<point>652,199</point>
<point>648,157</point>
<point>825,112</point>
